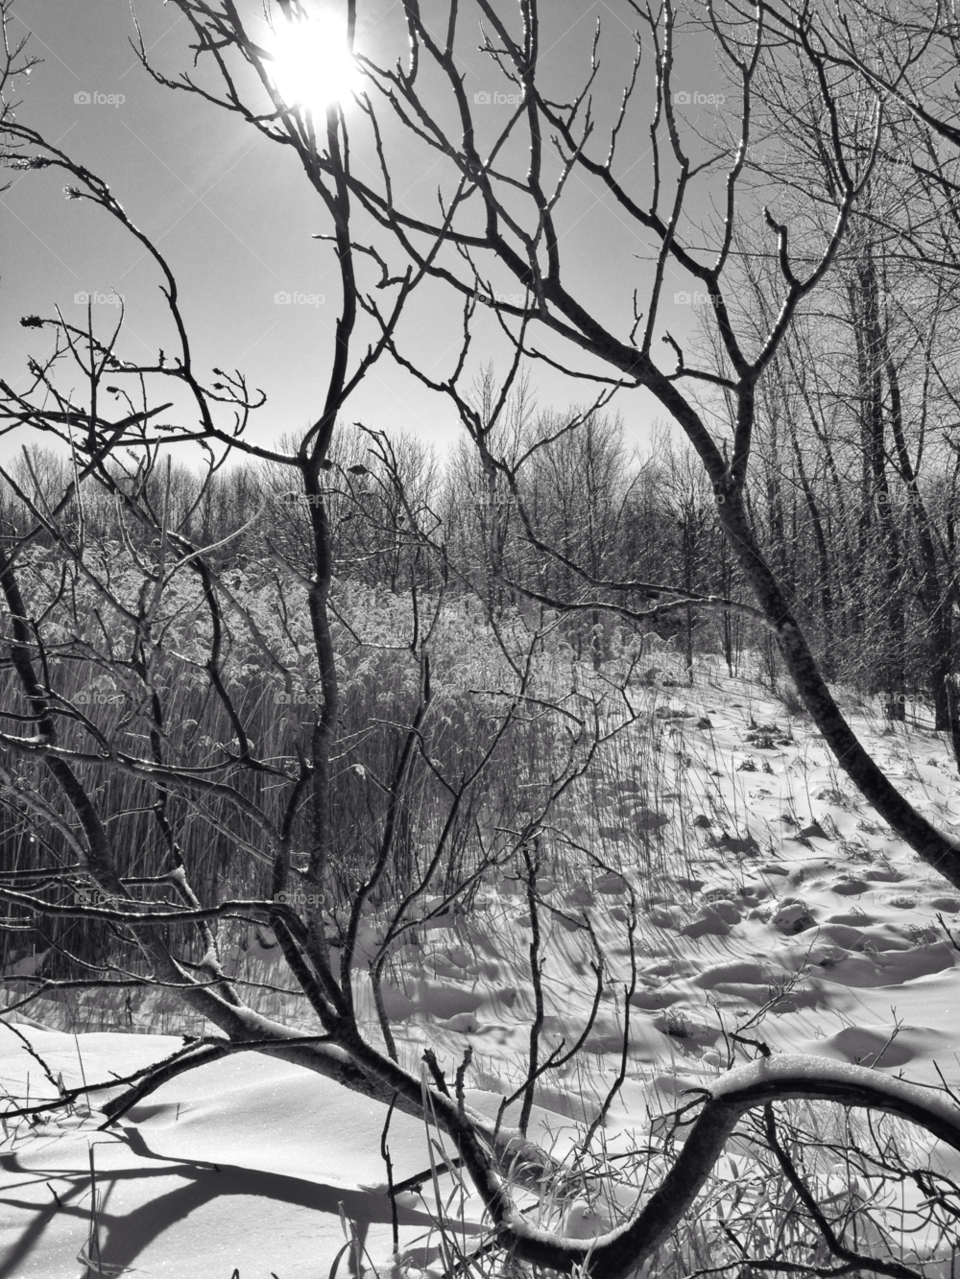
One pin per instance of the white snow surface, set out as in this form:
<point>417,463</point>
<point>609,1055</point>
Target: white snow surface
<point>765,883</point>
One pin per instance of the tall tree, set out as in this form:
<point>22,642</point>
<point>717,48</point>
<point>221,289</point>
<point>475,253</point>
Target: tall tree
<point>807,214</point>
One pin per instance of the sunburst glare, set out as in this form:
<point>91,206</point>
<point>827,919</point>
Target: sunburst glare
<point>310,62</point>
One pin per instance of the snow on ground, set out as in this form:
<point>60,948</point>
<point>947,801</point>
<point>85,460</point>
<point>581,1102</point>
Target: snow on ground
<point>772,901</point>
<point>243,1165</point>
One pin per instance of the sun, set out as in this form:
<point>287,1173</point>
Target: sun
<point>310,62</point>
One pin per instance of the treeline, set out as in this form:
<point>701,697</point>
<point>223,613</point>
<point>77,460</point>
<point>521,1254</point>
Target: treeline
<point>856,505</point>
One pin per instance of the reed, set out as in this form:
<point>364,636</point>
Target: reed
<point>98,665</point>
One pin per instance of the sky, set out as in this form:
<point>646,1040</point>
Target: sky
<point>233,215</point>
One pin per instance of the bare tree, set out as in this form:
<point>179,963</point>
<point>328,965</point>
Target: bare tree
<point>894,295</point>
<point>281,802</point>
<point>560,140</point>
<point>295,834</point>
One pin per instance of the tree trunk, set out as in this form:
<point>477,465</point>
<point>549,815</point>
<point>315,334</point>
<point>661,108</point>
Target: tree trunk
<point>937,849</point>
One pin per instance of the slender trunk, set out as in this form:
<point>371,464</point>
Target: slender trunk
<point>935,848</point>
<point>729,479</point>
<point>727,620</point>
<point>828,661</point>
<point>933,594</point>
<point>325,727</point>
<point>840,540</point>
<point>871,344</point>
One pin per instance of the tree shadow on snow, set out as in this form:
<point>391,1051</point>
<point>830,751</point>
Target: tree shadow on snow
<point>123,1236</point>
